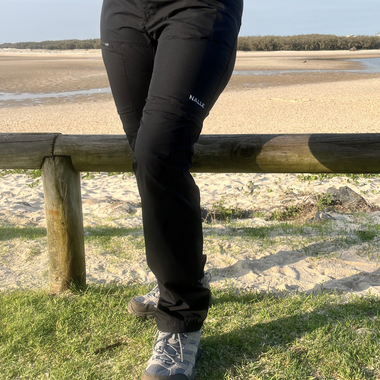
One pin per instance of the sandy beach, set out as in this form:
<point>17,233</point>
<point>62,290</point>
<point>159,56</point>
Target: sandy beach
<point>318,97</point>
<point>310,92</point>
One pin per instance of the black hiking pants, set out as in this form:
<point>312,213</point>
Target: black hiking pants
<point>167,62</point>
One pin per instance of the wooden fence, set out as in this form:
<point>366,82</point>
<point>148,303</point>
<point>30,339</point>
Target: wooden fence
<point>62,157</point>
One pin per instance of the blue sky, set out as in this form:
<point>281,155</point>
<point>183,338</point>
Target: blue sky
<point>38,20</point>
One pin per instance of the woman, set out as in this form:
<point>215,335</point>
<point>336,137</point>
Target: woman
<point>167,62</point>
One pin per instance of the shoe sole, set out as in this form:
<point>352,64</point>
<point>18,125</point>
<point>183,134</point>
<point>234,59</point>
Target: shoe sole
<point>139,314</point>
<point>144,314</point>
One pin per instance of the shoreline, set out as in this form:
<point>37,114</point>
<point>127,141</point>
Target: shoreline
<point>86,52</point>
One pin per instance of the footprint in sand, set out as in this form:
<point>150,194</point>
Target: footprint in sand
<point>291,272</point>
<point>355,285</point>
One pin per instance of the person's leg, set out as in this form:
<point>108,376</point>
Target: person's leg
<point>195,54</point>
<point>129,66</point>
<point>193,62</point>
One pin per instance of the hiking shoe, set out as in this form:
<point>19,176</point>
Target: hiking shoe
<point>174,356</point>
<point>146,305</point>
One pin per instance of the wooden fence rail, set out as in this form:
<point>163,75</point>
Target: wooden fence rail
<point>62,157</point>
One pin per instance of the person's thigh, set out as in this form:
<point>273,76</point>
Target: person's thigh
<point>129,66</point>
<point>194,59</point>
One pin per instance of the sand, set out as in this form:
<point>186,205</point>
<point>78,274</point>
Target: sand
<point>302,102</point>
<point>326,101</point>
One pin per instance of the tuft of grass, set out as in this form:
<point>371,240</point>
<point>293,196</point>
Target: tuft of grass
<point>35,175</point>
<point>323,200</point>
<point>92,175</point>
<point>88,175</point>
<point>350,177</point>
<point>367,236</point>
<point>249,335</point>
<point>221,211</point>
<point>290,213</point>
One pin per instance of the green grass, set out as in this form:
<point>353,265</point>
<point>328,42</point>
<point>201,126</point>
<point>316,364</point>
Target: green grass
<point>8,233</point>
<point>350,177</point>
<point>35,175</point>
<point>119,242</point>
<point>89,335</point>
<point>318,240</point>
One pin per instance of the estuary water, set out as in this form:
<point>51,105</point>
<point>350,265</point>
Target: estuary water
<point>369,66</point>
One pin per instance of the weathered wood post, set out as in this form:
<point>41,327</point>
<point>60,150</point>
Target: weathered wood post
<point>64,220</point>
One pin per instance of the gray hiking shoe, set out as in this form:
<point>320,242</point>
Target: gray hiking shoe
<point>174,357</point>
<point>146,305</point>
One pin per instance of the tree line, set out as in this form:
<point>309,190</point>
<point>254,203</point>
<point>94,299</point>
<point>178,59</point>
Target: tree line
<point>251,43</point>
<point>55,45</point>
<point>308,42</point>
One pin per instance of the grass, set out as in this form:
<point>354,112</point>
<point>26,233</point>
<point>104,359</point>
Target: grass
<point>254,335</point>
<point>350,177</point>
<point>88,335</point>
<point>8,233</point>
<point>34,175</point>
<point>126,243</point>
<point>318,240</point>
<point>237,241</point>
<point>220,211</point>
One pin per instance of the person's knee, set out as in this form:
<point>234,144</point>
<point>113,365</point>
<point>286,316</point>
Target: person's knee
<point>131,124</point>
<point>164,144</point>
<point>147,156</point>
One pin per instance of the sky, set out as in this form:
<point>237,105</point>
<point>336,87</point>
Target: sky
<point>40,20</point>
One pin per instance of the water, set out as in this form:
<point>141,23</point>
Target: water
<point>370,66</point>
<point>4,96</point>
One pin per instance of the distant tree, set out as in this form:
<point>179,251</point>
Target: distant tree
<point>307,42</point>
<point>68,46</point>
<point>248,43</point>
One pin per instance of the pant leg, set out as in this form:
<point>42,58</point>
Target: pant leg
<point>129,66</point>
<point>193,62</point>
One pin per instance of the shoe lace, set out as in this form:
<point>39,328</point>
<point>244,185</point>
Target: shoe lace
<point>162,343</point>
<point>155,292</point>
<point>207,277</point>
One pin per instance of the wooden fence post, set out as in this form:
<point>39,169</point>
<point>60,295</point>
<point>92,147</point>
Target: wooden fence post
<point>64,219</point>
